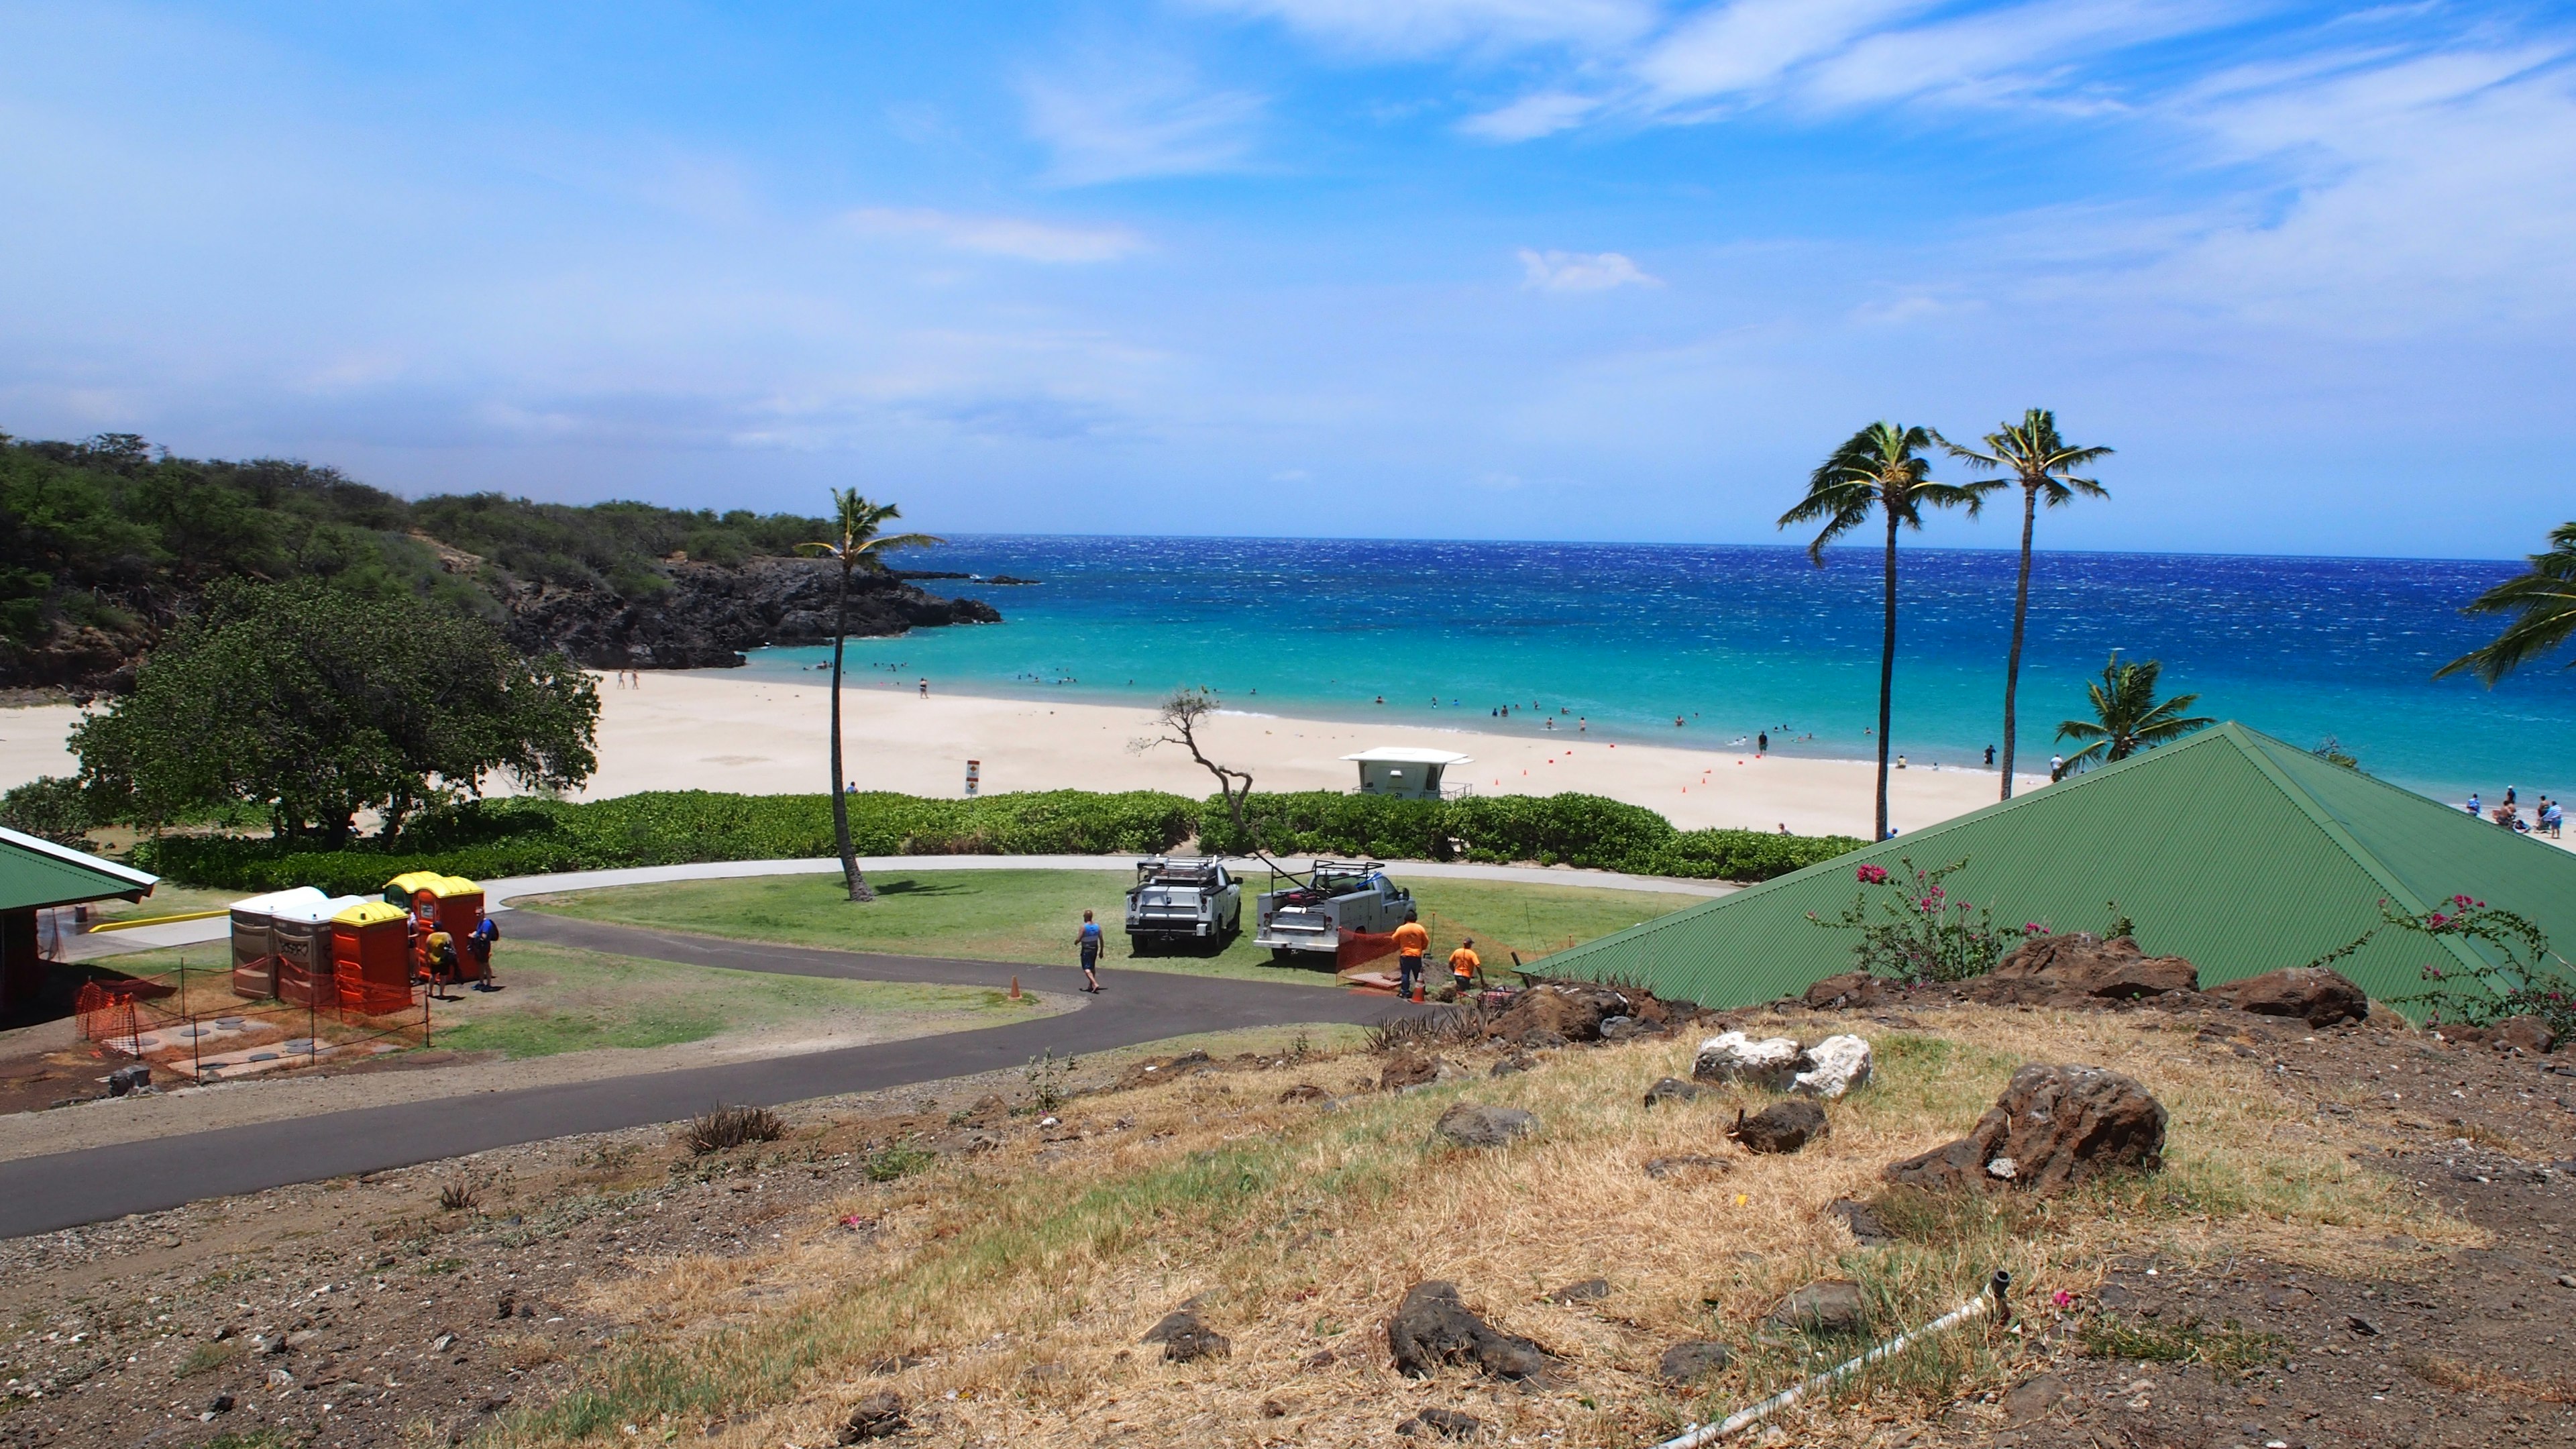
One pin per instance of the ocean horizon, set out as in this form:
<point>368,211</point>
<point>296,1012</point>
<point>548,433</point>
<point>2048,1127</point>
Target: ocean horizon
<point>1734,641</point>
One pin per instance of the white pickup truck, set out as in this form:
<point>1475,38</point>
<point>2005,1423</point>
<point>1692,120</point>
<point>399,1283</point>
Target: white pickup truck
<point>1183,900</point>
<point>1337,896</point>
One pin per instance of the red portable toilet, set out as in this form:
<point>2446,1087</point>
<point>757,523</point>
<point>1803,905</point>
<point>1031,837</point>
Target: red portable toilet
<point>371,958</point>
<point>455,905</point>
<point>255,941</point>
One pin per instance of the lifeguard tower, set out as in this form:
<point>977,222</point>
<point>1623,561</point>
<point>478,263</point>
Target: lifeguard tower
<point>1405,772</point>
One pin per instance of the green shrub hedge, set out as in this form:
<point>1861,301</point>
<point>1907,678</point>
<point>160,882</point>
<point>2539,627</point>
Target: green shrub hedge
<point>487,840</point>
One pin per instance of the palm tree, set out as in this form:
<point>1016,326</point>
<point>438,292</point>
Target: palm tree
<point>2043,464</point>
<point>2544,603</point>
<point>2127,716</point>
<point>1883,467</point>
<point>858,546</point>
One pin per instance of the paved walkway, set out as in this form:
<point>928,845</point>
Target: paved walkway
<point>67,1189</point>
<point>498,893</point>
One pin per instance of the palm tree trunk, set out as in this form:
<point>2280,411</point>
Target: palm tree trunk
<point>1886,674</point>
<point>857,883</point>
<point>2021,615</point>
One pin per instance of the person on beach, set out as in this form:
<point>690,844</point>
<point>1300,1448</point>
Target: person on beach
<point>1088,942</point>
<point>1411,940</point>
<point>1464,963</point>
<point>925,689</point>
<point>2508,797</point>
<point>2474,807</point>
<point>1990,757</point>
<point>1762,743</point>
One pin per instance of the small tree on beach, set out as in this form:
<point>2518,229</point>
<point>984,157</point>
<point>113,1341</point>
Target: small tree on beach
<point>1881,467</point>
<point>2127,716</point>
<point>858,543</point>
<point>2042,464</point>
<point>1177,721</point>
<point>2542,600</point>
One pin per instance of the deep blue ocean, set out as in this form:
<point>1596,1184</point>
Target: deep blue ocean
<point>1735,640</point>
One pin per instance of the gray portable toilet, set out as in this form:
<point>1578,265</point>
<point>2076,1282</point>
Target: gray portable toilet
<point>255,938</point>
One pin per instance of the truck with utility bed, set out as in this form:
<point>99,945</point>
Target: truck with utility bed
<point>1322,914</point>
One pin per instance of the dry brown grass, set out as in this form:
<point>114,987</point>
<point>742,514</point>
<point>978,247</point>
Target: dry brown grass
<point>1301,1227</point>
<point>2444,1373</point>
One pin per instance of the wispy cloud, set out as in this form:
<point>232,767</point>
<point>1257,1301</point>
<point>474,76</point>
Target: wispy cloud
<point>1580,271</point>
<point>1431,27</point>
<point>1126,122</point>
<point>1000,236</point>
<point>1531,117</point>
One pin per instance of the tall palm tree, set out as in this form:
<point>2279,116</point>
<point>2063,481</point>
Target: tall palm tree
<point>2043,464</point>
<point>2543,602</point>
<point>857,544</point>
<point>1882,467</point>
<point>2127,716</point>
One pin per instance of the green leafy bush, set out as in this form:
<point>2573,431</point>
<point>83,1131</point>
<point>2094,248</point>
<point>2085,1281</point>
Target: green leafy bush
<point>52,807</point>
<point>1577,830</point>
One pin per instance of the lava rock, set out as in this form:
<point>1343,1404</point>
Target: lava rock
<point>1444,1423</point>
<point>706,615</point>
<point>1584,1292</point>
<point>1469,1124</point>
<point>1514,1064</point>
<point>2316,995</point>
<point>1408,1070</point>
<point>2527,1034</point>
<point>878,1416</point>
<point>1831,1068</point>
<point>2085,965</point>
<point>1781,1127</point>
<point>1573,1010</point>
<point>1734,1057</point>
<point>1690,1361</point>
<point>124,1080</point>
<point>1832,1306</point>
<point>2053,1128</point>
<point>1852,990</point>
<point>1304,1092</point>
<point>1865,1224</point>
<point>1431,1328</point>
<point>1187,1338</point>
<point>1542,1040</point>
<point>2033,1397</point>
<point>1671,1089</point>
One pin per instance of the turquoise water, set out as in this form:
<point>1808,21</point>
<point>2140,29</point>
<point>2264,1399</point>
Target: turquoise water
<point>1736,640</point>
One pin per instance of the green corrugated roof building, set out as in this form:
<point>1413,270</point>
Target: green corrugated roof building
<point>2232,849</point>
<point>34,874</point>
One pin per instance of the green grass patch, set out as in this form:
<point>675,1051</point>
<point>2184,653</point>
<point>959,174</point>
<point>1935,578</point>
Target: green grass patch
<point>1032,915</point>
<point>2227,1348</point>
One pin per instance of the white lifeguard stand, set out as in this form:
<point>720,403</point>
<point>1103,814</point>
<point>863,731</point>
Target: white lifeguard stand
<point>1404,771</point>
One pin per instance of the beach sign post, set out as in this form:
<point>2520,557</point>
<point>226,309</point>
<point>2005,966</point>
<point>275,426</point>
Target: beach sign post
<point>974,776</point>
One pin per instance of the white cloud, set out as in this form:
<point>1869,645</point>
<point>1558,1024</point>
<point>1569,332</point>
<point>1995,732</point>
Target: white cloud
<point>1751,45</point>
<point>1580,271</point>
<point>1124,123</point>
<point>1531,117</point>
<point>1000,236</point>
<point>1998,52</point>
<point>1427,27</point>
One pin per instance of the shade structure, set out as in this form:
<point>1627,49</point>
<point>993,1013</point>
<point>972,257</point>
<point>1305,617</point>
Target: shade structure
<point>254,923</point>
<point>371,958</point>
<point>35,874</point>
<point>2235,850</point>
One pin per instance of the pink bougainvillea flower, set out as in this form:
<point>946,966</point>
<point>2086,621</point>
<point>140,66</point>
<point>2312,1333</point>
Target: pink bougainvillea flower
<point>1871,875</point>
<point>2437,919</point>
<point>2460,901</point>
<point>2061,1298</point>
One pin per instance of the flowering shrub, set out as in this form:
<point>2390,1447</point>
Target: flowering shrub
<point>1918,933</point>
<point>2526,979</point>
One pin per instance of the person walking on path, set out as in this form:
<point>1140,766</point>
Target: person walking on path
<point>1089,942</point>
<point>1410,942</point>
<point>1464,963</point>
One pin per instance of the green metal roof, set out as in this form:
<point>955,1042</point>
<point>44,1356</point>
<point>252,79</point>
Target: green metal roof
<point>36,872</point>
<point>2232,849</point>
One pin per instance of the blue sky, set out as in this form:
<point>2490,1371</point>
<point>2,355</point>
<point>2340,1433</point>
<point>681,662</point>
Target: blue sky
<point>1581,269</point>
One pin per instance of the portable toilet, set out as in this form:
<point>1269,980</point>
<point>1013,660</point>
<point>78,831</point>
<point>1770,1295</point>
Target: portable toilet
<point>302,931</point>
<point>407,889</point>
<point>254,939</point>
<point>371,958</point>
<point>458,909</point>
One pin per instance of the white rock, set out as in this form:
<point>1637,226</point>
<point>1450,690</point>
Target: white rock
<point>1734,1057</point>
<point>2002,1167</point>
<point>1832,1067</point>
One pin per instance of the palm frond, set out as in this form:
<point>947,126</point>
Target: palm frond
<point>2543,601</point>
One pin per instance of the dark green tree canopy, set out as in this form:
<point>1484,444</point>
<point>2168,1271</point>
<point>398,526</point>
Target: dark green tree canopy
<point>317,704</point>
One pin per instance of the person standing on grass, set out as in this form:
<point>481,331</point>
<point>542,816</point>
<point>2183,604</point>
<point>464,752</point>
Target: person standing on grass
<point>1088,940</point>
<point>1464,963</point>
<point>1410,942</point>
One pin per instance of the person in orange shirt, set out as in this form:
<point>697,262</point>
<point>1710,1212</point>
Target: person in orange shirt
<point>1464,963</point>
<point>1410,942</point>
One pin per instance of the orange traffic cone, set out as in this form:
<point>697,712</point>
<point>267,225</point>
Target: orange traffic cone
<point>1015,988</point>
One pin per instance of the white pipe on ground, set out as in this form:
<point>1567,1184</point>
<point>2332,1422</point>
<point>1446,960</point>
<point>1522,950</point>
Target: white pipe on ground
<point>1698,1436</point>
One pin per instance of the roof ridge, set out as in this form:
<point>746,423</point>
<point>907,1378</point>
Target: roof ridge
<point>78,858</point>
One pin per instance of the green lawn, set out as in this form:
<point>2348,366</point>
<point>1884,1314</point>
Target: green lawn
<point>556,999</point>
<point>1031,916</point>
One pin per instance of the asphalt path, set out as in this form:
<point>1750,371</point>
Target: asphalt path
<point>42,1194</point>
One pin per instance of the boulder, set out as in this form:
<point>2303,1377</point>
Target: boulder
<point>1781,1127</point>
<point>1304,1092</point>
<point>1441,1423</point>
<point>2084,965</point>
<point>1571,1009</point>
<point>878,1416</point>
<point>1187,1338</point>
<point>1850,990</point>
<point>2053,1127</point>
<point>2527,1034</point>
<point>1516,1063</point>
<point>1691,1360</point>
<point>1671,1089</point>
<point>2317,995</point>
<point>1832,1306</point>
<point>1831,1067</point>
<point>1734,1057</point>
<point>1409,1069</point>
<point>1631,1028</point>
<point>1431,1327</point>
<point>1541,1040</point>
<point>1469,1124</point>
